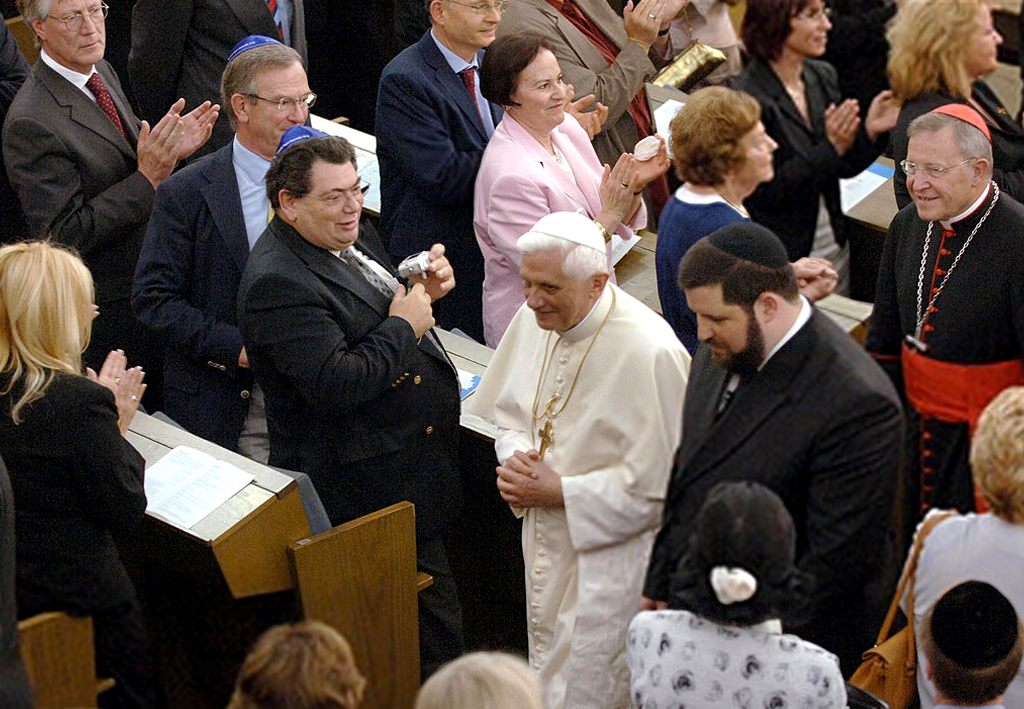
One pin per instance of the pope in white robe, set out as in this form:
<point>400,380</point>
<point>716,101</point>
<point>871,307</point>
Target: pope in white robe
<point>594,380</point>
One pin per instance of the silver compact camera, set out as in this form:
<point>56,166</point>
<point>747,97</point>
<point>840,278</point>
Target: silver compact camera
<point>415,265</point>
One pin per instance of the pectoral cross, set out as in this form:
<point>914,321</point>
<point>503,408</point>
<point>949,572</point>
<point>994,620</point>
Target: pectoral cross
<point>547,438</point>
<point>915,342</point>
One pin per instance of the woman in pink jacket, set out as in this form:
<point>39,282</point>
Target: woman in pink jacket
<point>540,161</point>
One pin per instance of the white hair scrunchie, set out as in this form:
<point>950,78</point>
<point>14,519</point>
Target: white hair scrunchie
<point>732,584</point>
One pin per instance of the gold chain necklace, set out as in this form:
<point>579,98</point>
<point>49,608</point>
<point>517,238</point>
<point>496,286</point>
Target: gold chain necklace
<point>547,436</point>
<point>738,207</point>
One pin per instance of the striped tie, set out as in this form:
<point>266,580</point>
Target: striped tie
<point>272,4</point>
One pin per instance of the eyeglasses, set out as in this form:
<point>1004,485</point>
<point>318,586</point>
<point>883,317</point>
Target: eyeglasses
<point>818,15</point>
<point>74,21</point>
<point>929,171</point>
<point>336,197</point>
<point>287,104</point>
<point>484,8</point>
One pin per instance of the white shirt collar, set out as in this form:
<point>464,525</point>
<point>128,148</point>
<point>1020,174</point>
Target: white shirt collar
<point>801,319</point>
<point>71,75</point>
<point>969,211</point>
<point>592,320</point>
<point>685,193</point>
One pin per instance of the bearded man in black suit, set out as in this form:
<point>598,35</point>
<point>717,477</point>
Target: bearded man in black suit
<point>779,395</point>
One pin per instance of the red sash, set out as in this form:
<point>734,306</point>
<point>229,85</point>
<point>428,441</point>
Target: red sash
<point>956,393</point>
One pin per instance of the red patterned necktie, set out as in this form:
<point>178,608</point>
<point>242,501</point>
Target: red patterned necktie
<point>99,90</point>
<point>272,4</point>
<point>468,79</point>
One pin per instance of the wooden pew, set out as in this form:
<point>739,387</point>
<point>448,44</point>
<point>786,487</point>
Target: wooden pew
<point>372,604</point>
<point>25,38</point>
<point>60,662</point>
<point>208,591</point>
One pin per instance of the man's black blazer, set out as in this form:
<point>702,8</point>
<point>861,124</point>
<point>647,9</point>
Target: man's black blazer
<point>820,425</point>
<point>353,400</point>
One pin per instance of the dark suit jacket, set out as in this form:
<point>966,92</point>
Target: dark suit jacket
<point>820,425</point>
<point>430,140</point>
<point>180,49</point>
<point>14,689</point>
<point>76,482</point>
<point>806,165</point>
<point>77,177</point>
<point>13,72</point>
<point>186,287</point>
<point>1007,139</point>
<point>352,399</point>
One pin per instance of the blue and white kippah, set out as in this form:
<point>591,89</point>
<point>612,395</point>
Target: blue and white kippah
<point>250,42</point>
<point>297,134</point>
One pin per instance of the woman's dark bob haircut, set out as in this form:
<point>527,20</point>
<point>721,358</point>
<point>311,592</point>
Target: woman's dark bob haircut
<point>744,525</point>
<point>504,61</point>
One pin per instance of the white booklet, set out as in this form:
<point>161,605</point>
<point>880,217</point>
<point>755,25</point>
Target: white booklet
<point>186,485</point>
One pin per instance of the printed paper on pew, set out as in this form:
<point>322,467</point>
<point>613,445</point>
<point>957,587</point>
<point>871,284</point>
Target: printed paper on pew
<point>852,190</point>
<point>186,485</point>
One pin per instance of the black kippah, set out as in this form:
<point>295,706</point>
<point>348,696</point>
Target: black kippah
<point>750,242</point>
<point>974,625</point>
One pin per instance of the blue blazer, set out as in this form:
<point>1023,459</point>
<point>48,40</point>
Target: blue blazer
<point>186,287</point>
<point>430,141</point>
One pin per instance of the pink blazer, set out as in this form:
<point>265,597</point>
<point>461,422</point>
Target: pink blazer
<point>518,183</point>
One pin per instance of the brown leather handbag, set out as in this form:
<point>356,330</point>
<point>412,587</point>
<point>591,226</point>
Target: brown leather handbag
<point>889,669</point>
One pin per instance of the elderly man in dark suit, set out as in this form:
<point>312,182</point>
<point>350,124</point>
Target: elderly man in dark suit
<point>180,48</point>
<point>780,396</point>
<point>432,127</point>
<point>85,169</point>
<point>206,218</point>
<point>360,394</point>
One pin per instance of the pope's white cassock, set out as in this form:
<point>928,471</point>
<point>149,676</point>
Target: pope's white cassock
<point>613,447</point>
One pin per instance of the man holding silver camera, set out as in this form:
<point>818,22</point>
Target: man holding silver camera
<point>360,394</point>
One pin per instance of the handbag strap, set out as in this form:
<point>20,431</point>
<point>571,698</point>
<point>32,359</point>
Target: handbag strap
<point>930,522</point>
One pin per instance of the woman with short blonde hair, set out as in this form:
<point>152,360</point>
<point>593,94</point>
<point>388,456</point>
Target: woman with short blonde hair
<point>482,680</point>
<point>939,52</point>
<point>982,547</point>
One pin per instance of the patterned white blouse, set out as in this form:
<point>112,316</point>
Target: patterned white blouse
<point>677,660</point>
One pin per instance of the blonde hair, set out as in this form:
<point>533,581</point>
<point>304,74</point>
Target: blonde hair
<point>307,665</point>
<point>928,40</point>
<point>46,296</point>
<point>997,455</point>
<point>482,680</point>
